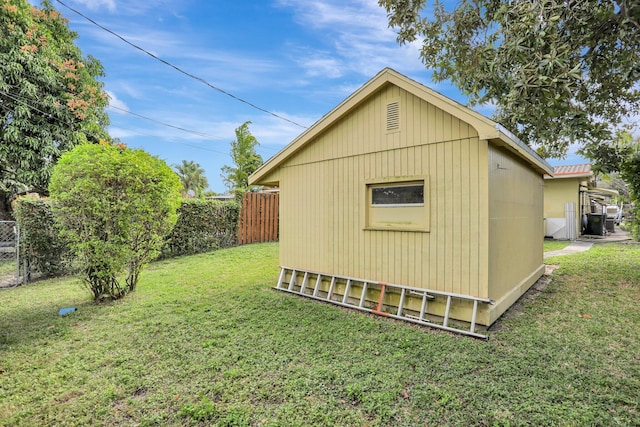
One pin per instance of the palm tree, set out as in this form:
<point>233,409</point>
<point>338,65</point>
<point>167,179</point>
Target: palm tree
<point>192,178</point>
<point>245,158</point>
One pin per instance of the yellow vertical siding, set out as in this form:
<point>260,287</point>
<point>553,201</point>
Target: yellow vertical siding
<point>483,202</point>
<point>559,191</point>
<point>323,184</point>
<point>515,229</point>
<point>482,229</point>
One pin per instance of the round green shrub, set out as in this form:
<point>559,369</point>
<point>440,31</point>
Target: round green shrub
<point>114,206</point>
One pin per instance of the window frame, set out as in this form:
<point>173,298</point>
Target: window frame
<point>406,211</point>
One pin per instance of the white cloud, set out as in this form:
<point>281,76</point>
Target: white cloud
<point>323,66</point>
<point>130,8</point>
<point>97,4</point>
<point>125,87</point>
<point>121,133</point>
<point>275,132</point>
<point>487,109</point>
<point>354,17</point>
<point>115,102</point>
<point>360,38</point>
<point>155,41</point>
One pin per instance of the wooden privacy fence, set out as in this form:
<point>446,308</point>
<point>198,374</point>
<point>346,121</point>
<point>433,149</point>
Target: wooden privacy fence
<point>258,218</point>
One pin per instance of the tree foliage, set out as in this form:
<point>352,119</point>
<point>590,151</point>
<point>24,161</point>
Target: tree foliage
<point>631,174</point>
<point>114,205</point>
<point>50,98</point>
<point>559,72</point>
<point>192,178</point>
<point>612,157</point>
<point>245,158</point>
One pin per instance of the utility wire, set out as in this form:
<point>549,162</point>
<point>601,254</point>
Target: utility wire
<point>23,101</point>
<point>180,70</point>
<point>201,134</point>
<point>173,140</point>
<point>26,102</point>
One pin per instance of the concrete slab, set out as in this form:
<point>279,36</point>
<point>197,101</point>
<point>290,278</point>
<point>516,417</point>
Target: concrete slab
<point>585,242</point>
<point>574,247</point>
<point>619,235</point>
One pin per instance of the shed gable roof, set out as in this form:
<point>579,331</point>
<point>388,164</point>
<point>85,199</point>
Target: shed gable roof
<point>485,127</point>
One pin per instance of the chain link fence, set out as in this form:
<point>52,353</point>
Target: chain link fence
<point>9,254</point>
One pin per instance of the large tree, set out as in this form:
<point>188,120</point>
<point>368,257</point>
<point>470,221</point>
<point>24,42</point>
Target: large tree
<point>558,71</point>
<point>245,158</point>
<point>192,178</point>
<point>50,98</point>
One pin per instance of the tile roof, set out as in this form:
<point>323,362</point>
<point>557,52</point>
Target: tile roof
<point>571,171</point>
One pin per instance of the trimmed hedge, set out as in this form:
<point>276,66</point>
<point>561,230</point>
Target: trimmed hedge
<point>203,225</point>
<point>42,247</point>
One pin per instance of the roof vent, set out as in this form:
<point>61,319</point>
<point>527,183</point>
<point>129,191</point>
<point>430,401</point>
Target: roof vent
<point>393,116</point>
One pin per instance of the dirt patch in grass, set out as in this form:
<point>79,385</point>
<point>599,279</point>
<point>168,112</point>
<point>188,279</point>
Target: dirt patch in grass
<point>527,298</point>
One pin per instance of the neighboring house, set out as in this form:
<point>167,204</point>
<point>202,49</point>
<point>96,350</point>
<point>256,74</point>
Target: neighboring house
<point>399,184</point>
<point>573,205</point>
<point>566,200</point>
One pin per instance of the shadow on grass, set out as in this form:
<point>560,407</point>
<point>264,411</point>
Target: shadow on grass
<point>28,320</point>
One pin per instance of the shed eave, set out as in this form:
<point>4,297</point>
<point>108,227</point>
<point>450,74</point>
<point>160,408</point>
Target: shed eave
<point>603,191</point>
<point>505,138</point>
<point>569,175</point>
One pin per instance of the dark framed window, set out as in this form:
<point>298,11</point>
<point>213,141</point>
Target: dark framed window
<point>405,194</point>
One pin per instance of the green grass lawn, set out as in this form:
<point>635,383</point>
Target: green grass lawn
<point>205,341</point>
<point>555,245</point>
<point>7,267</point>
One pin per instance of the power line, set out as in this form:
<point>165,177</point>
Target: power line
<point>180,70</point>
<point>173,140</point>
<point>197,133</point>
<point>203,135</point>
<point>23,101</point>
<point>26,101</point>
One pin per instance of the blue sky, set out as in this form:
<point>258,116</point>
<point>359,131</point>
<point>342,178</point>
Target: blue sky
<point>295,58</point>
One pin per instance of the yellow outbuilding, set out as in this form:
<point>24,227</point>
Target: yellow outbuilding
<point>566,200</point>
<point>575,206</point>
<point>403,202</point>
